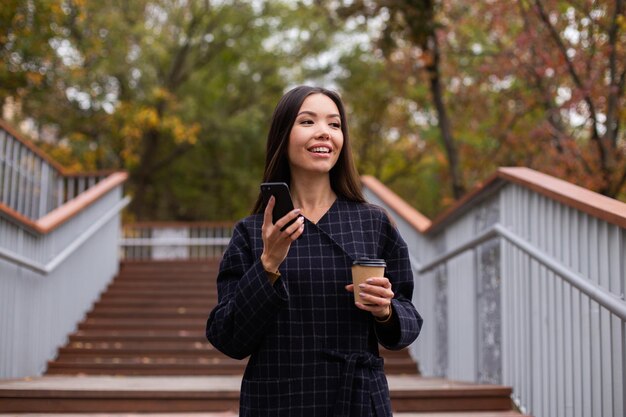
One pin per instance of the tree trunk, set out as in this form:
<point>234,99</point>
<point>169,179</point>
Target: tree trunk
<point>444,122</point>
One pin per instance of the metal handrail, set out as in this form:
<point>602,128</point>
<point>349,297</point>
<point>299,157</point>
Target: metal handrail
<point>69,249</point>
<point>611,302</point>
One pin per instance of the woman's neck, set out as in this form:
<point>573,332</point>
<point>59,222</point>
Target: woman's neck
<point>312,193</point>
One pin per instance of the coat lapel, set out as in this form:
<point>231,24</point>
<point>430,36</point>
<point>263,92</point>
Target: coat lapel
<point>343,226</point>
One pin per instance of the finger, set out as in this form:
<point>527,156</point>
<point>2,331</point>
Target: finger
<point>379,281</point>
<point>376,290</point>
<point>267,214</point>
<point>350,287</point>
<point>295,235</point>
<point>294,226</point>
<point>374,299</point>
<point>287,218</point>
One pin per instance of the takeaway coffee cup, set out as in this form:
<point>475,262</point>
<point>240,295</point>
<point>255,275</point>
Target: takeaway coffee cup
<point>364,268</point>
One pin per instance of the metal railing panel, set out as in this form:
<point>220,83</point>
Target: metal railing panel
<point>30,184</point>
<point>40,312</point>
<point>580,368</point>
<point>462,323</point>
<point>42,309</point>
<point>559,275</point>
<point>167,241</point>
<point>433,361</point>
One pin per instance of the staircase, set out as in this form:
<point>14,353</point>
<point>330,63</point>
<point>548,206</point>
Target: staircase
<point>150,321</point>
<point>142,349</point>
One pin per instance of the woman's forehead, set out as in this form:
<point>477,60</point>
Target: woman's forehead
<point>319,104</point>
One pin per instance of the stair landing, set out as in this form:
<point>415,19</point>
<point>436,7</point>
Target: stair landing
<point>218,395</point>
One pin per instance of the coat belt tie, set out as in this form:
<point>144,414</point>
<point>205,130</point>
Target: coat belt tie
<point>351,360</point>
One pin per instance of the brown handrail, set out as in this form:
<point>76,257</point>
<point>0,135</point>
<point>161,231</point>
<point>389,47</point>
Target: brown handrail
<point>416,219</point>
<point>71,208</point>
<point>32,147</point>
<point>605,208</point>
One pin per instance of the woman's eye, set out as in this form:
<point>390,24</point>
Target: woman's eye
<point>306,122</point>
<point>336,125</point>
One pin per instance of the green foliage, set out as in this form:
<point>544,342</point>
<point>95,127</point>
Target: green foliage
<point>180,93</point>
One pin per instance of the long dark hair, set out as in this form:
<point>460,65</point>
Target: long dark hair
<point>344,178</point>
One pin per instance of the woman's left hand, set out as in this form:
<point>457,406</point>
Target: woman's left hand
<point>377,293</point>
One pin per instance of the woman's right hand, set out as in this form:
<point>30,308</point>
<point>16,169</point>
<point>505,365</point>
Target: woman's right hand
<point>276,244</point>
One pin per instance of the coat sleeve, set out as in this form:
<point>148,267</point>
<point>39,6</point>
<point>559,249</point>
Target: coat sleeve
<point>406,322</point>
<point>247,302</point>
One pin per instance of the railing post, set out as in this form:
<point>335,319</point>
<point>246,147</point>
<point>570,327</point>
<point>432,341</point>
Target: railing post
<point>43,189</point>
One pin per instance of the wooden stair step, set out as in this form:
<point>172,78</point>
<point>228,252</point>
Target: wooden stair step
<point>162,312</point>
<point>140,345</point>
<point>204,277</point>
<point>138,349</point>
<point>197,327</point>
<point>429,397</point>
<point>169,275</point>
<point>164,334</point>
<point>165,279</point>
<point>165,286</point>
<point>176,264</point>
<point>72,354</point>
<point>152,303</point>
<point>150,361</point>
<point>189,298</point>
<point>141,339</point>
<point>134,322</point>
<point>137,336</point>
<point>147,293</point>
<point>145,369</point>
<point>187,263</point>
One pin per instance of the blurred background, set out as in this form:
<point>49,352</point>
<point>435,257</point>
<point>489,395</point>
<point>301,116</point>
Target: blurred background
<point>439,93</point>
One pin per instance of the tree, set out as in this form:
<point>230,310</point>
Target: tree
<point>412,27</point>
<point>27,28</point>
<point>548,77</point>
<point>540,84</point>
<point>178,92</point>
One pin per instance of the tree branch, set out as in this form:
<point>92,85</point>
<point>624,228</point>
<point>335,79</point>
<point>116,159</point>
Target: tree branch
<point>595,135</point>
<point>616,85</point>
<point>175,74</point>
<point>171,157</point>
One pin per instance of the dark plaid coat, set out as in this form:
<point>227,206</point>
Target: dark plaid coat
<point>312,352</point>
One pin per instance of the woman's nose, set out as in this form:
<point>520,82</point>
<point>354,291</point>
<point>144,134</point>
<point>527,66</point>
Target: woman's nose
<point>323,133</point>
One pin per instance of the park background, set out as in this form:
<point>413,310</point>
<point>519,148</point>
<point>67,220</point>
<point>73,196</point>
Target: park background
<point>152,115</point>
<point>440,93</point>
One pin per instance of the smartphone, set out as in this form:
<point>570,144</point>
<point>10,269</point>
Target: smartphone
<point>283,204</point>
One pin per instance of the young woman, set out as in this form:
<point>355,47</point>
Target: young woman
<point>285,297</point>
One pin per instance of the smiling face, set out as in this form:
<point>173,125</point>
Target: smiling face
<point>316,138</point>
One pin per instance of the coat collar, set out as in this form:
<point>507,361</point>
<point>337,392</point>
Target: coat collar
<point>340,225</point>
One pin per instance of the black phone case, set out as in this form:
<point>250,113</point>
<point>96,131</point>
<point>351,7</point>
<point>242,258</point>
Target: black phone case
<point>283,205</point>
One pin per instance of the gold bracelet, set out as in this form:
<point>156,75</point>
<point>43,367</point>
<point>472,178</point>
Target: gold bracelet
<point>273,276</point>
<point>386,319</point>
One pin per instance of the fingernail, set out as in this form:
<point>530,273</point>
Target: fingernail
<point>297,210</point>
<point>361,285</point>
<point>369,280</point>
<point>301,219</point>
